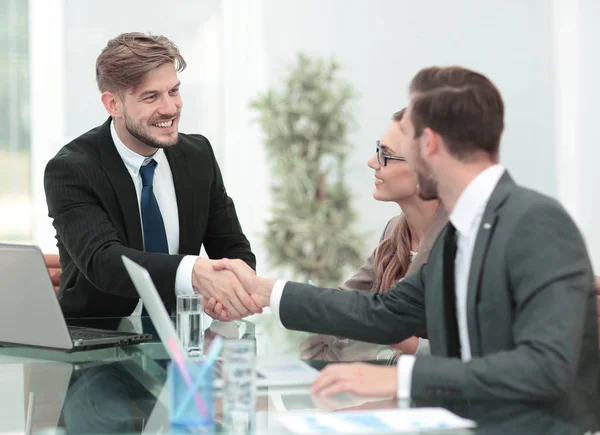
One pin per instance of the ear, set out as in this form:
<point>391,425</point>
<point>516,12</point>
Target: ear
<point>431,142</point>
<point>113,104</point>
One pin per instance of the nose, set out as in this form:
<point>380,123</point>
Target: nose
<point>168,106</point>
<point>373,162</point>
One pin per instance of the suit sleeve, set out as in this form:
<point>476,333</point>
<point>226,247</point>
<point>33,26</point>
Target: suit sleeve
<point>224,237</point>
<point>552,285</point>
<point>381,318</point>
<point>91,239</point>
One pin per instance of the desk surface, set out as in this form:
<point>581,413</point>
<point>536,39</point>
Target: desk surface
<point>122,390</point>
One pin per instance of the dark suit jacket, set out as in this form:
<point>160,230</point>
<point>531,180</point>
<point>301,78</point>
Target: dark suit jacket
<point>531,312</point>
<point>92,201</point>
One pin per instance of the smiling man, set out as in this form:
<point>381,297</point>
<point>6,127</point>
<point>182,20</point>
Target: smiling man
<point>135,186</point>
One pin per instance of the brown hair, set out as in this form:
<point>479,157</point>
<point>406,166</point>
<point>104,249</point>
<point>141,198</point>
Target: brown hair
<point>463,106</point>
<point>392,258</point>
<point>125,60</point>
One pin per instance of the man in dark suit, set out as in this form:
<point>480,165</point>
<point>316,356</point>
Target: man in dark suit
<point>134,186</point>
<point>507,296</point>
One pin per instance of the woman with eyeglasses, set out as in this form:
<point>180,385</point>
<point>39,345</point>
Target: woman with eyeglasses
<point>403,248</point>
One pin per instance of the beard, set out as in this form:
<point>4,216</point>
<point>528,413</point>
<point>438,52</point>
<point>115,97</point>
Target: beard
<point>428,186</point>
<point>137,130</point>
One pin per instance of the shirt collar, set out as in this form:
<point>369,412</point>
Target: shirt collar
<point>474,198</point>
<point>134,161</point>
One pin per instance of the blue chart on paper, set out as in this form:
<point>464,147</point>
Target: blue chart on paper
<point>315,426</point>
<point>368,421</point>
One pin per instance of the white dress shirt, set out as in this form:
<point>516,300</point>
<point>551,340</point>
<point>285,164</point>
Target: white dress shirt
<point>164,191</point>
<point>466,218</point>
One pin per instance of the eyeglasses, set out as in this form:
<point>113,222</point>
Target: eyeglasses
<point>383,157</point>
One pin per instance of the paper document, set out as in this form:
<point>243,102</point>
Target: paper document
<point>383,421</point>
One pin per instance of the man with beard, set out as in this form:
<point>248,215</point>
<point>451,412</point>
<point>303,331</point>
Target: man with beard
<point>134,186</point>
<point>507,296</point>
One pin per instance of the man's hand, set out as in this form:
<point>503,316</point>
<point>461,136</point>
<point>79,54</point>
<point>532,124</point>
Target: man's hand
<point>54,269</point>
<point>361,379</point>
<point>224,286</point>
<point>259,288</point>
<point>408,346</point>
<point>216,310</point>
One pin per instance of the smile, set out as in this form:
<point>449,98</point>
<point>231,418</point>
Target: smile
<point>164,124</point>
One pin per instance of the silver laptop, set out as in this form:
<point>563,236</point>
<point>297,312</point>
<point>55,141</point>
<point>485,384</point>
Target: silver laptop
<point>270,371</point>
<point>30,314</point>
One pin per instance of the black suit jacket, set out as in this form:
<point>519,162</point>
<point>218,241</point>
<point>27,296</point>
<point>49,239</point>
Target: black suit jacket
<point>92,201</point>
<point>531,312</point>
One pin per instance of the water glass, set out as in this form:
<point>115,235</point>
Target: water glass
<point>191,412</point>
<point>239,385</point>
<point>189,324</point>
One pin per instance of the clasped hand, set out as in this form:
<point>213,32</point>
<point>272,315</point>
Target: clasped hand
<point>231,288</point>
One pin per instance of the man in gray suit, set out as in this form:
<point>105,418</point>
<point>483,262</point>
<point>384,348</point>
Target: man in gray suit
<point>507,296</point>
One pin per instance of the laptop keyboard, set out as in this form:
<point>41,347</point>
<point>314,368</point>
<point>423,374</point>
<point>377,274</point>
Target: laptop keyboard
<point>77,334</point>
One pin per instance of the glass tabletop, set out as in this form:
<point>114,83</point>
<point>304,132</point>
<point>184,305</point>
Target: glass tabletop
<point>123,389</point>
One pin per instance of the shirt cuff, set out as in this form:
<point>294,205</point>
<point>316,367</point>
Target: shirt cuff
<point>405,369</point>
<point>183,278</point>
<point>276,294</point>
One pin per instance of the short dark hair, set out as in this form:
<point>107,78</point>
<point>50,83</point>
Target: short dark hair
<point>462,105</point>
<point>128,57</point>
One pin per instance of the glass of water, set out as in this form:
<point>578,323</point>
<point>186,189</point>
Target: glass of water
<point>189,323</point>
<point>239,385</point>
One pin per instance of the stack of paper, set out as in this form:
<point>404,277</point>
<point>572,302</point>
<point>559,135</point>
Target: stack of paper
<point>383,421</point>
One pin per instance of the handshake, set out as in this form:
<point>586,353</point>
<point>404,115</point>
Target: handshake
<point>231,288</point>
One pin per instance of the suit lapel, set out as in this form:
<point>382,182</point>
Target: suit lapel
<point>187,202</point>
<point>479,253</point>
<point>503,188</point>
<point>123,186</point>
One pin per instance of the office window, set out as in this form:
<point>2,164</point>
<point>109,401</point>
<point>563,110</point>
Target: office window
<point>15,201</point>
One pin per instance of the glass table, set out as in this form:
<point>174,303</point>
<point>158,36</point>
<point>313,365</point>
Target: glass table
<point>123,390</point>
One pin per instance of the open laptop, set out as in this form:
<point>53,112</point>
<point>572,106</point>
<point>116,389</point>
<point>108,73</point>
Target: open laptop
<point>30,314</point>
<point>270,372</point>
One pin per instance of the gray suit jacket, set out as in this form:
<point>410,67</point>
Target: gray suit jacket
<point>364,279</point>
<point>530,306</point>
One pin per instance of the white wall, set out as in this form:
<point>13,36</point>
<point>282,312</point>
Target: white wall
<point>587,174</point>
<point>235,48</point>
<point>381,44</point>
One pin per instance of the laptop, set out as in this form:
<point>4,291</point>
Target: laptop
<point>270,372</point>
<point>30,314</point>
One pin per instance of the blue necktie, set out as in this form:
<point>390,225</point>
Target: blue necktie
<point>155,237</point>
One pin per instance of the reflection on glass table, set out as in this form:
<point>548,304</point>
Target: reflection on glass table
<point>123,390</point>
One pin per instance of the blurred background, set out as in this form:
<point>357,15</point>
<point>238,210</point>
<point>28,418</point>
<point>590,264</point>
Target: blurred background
<point>542,55</point>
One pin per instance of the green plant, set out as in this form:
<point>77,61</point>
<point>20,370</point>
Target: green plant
<point>306,125</point>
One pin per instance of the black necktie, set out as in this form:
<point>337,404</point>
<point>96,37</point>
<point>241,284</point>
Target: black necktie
<point>450,293</point>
